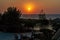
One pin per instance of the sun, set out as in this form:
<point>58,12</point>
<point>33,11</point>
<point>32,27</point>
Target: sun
<point>29,8</point>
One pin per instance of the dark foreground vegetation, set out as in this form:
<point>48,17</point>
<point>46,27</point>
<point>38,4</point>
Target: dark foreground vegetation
<point>10,21</point>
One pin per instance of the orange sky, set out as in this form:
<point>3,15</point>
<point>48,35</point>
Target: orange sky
<point>49,6</point>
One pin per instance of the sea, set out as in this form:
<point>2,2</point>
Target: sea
<point>10,36</point>
<point>6,36</point>
<point>36,16</point>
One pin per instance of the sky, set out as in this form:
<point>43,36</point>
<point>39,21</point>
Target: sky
<point>49,6</point>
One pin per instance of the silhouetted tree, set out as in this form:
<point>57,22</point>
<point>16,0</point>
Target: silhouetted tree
<point>0,21</point>
<point>29,24</point>
<point>44,22</point>
<point>0,16</point>
<point>11,15</point>
<point>48,33</point>
<point>56,23</point>
<point>10,19</point>
<point>42,19</point>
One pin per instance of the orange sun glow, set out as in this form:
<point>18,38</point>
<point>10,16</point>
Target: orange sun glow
<point>28,7</point>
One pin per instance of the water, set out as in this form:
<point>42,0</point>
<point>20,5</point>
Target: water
<point>11,36</point>
<point>35,16</point>
<point>52,16</point>
<point>6,36</point>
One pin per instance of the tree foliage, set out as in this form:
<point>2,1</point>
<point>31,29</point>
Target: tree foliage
<point>11,15</point>
<point>56,24</point>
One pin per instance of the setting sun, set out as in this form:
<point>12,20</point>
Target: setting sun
<point>29,9</point>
